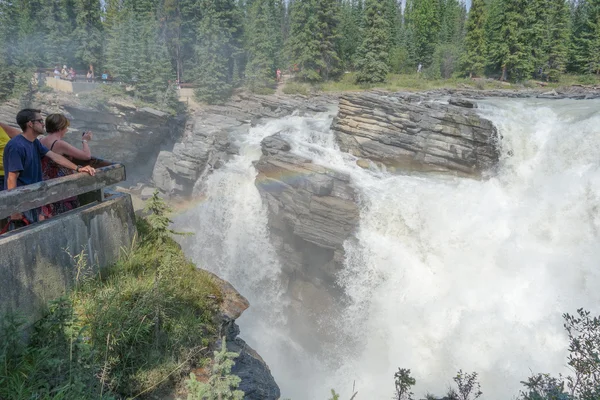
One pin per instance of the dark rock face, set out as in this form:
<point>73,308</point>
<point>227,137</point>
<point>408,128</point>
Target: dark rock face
<point>408,136</point>
<point>462,102</point>
<point>312,211</point>
<point>257,382</point>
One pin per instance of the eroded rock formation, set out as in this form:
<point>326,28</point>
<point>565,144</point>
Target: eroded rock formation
<point>209,133</point>
<point>312,211</point>
<point>408,136</point>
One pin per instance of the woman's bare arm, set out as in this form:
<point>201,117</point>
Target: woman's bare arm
<point>62,147</point>
<point>10,131</point>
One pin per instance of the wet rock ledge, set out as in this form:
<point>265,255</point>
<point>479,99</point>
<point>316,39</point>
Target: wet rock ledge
<point>425,136</point>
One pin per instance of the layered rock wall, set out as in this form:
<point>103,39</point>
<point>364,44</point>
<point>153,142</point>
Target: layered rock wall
<point>312,211</point>
<point>407,136</point>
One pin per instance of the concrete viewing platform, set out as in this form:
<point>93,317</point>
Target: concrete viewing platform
<point>37,262</point>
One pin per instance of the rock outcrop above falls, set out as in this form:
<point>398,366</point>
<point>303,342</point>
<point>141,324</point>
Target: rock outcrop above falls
<point>312,211</point>
<point>207,142</point>
<point>408,136</point>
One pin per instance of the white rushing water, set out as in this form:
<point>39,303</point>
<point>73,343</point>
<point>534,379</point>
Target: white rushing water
<point>444,274</point>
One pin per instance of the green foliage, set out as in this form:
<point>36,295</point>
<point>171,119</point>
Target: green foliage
<point>509,50</point>
<point>373,54</point>
<point>544,387</point>
<point>423,20</point>
<point>334,395</point>
<point>221,385</point>
<point>445,62</point>
<point>473,60</point>
<point>217,49</point>
<point>158,219</point>
<point>136,329</point>
<point>403,382</point>
<point>263,43</point>
<point>468,385</point>
<point>584,350</point>
<point>350,29</point>
<point>312,42</point>
<point>297,88</point>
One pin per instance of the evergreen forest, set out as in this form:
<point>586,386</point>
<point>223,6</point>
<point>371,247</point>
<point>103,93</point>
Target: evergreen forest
<point>218,45</point>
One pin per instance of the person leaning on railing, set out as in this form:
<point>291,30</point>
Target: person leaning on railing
<point>6,133</point>
<point>23,159</point>
<point>57,126</point>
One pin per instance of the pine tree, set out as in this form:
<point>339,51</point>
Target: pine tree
<point>536,32</point>
<point>558,41</point>
<point>350,33</point>
<point>373,57</point>
<point>217,49</point>
<point>263,38</point>
<point>508,49</point>
<point>328,15</point>
<point>89,33</point>
<point>58,32</point>
<point>473,60</point>
<point>222,384</point>
<point>311,45</point>
<point>424,21</point>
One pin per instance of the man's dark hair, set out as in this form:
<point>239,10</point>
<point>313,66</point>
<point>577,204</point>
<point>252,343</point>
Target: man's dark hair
<point>26,115</point>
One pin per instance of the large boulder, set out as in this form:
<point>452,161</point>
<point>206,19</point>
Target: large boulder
<point>407,136</point>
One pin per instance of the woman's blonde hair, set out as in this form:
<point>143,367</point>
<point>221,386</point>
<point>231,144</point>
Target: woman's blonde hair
<point>56,122</point>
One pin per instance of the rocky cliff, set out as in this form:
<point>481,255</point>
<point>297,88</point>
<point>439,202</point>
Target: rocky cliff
<point>312,211</point>
<point>123,132</point>
<point>406,134</point>
<point>209,137</point>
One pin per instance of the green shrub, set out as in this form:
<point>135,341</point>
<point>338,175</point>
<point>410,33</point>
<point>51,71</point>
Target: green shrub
<point>221,385</point>
<point>136,329</point>
<point>297,88</point>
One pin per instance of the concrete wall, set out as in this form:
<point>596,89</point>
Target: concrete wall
<point>35,266</point>
<point>70,87</point>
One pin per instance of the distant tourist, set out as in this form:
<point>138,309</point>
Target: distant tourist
<point>89,76</point>
<point>419,68</point>
<point>72,74</point>
<point>57,126</point>
<point>56,72</point>
<point>64,72</point>
<point>23,161</point>
<point>104,76</point>
<point>278,75</point>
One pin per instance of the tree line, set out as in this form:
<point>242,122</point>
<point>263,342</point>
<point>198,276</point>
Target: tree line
<point>218,45</point>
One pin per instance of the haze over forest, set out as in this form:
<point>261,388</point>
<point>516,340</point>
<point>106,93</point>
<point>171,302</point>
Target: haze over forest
<point>217,45</point>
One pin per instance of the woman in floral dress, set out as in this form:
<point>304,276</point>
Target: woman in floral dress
<point>57,126</point>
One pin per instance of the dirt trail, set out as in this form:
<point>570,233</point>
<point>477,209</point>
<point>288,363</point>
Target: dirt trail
<point>281,85</point>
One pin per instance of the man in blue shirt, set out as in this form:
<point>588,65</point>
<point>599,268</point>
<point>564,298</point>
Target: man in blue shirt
<point>23,158</point>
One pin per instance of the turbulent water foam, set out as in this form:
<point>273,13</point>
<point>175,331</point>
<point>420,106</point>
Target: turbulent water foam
<point>444,273</point>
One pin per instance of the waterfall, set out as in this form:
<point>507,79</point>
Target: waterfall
<point>443,273</point>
